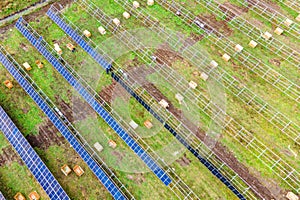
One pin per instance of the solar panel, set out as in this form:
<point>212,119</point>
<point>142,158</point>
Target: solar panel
<point>1,196</point>
<point>37,43</point>
<point>100,174</point>
<point>30,158</point>
<point>60,22</point>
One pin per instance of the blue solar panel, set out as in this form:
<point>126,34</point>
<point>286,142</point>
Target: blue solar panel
<point>33,161</point>
<point>60,22</point>
<point>1,196</point>
<point>80,41</point>
<point>93,102</point>
<point>30,157</point>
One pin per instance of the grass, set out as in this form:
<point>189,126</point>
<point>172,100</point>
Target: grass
<point>17,178</point>
<point>9,7</point>
<point>94,129</point>
<point>284,105</point>
<point>86,186</point>
<point>22,114</point>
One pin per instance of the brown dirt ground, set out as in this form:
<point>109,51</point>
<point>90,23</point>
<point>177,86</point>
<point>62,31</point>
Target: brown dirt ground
<point>47,137</point>
<point>183,161</point>
<point>164,55</point>
<point>9,155</point>
<point>235,10</point>
<point>232,10</point>
<point>107,93</point>
<point>76,110</point>
<point>219,25</point>
<point>193,39</point>
<point>137,178</point>
<point>268,3</point>
<point>275,62</point>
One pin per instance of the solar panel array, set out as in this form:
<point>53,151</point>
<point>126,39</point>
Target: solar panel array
<point>205,162</point>
<point>100,174</point>
<point>60,22</point>
<point>39,43</point>
<point>1,196</point>
<point>30,157</point>
<point>80,41</point>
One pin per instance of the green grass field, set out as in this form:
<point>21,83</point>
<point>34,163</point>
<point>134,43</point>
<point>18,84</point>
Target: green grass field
<point>28,117</point>
<point>9,7</point>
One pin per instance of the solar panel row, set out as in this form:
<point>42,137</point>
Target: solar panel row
<point>80,41</point>
<point>59,21</point>
<point>1,196</point>
<point>110,186</point>
<point>30,157</point>
<point>205,162</point>
<point>37,43</point>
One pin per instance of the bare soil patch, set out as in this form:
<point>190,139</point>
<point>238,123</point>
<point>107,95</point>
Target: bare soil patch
<point>215,25</point>
<point>165,55</point>
<point>76,110</point>
<point>48,136</point>
<point>8,156</point>
<point>275,62</point>
<point>235,10</point>
<point>107,93</point>
<point>267,4</point>
<point>183,161</point>
<point>118,155</point>
<point>137,178</point>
